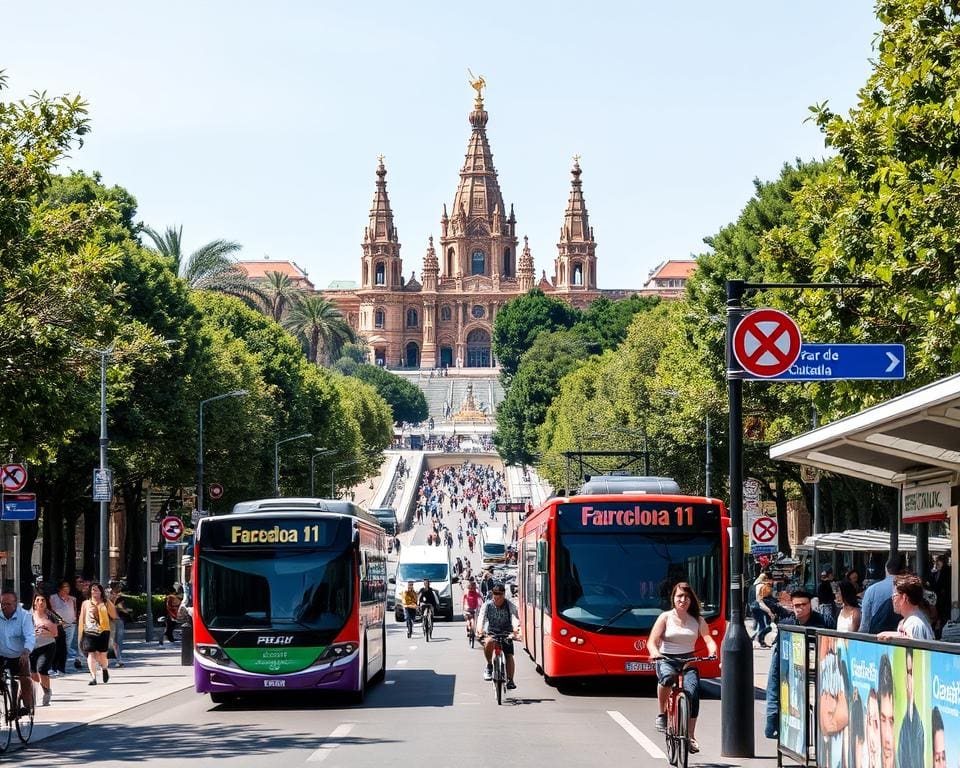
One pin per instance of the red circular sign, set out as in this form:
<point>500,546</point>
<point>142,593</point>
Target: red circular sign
<point>13,477</point>
<point>216,491</point>
<point>764,530</point>
<point>171,528</point>
<point>766,342</point>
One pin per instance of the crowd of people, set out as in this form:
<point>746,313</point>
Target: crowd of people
<point>68,626</point>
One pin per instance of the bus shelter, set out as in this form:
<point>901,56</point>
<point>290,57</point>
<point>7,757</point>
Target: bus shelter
<point>912,443</point>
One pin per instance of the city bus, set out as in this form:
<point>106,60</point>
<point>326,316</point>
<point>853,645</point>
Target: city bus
<point>289,594</point>
<point>597,568</point>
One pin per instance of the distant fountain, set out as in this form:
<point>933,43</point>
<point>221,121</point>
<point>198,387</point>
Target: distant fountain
<point>469,410</point>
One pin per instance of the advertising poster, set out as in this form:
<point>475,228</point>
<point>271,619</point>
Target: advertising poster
<point>911,705</point>
<point>944,711</point>
<point>793,693</point>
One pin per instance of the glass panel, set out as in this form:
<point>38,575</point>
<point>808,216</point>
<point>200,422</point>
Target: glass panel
<point>478,263</point>
<point>276,590</point>
<point>626,578</point>
<point>421,571</point>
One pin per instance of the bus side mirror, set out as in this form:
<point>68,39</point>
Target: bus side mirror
<point>542,558</point>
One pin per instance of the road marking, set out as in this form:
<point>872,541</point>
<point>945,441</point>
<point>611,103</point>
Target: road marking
<point>329,746</point>
<point>637,735</point>
<point>389,682</point>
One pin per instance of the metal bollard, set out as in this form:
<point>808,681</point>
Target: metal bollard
<point>186,645</point>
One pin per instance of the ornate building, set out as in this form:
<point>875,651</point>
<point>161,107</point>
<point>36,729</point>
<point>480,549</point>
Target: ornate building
<point>446,318</point>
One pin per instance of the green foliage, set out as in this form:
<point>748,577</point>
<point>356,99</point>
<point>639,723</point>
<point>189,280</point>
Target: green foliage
<point>552,356</point>
<point>321,326</point>
<point>518,323</point>
<point>604,324</point>
<point>407,402</point>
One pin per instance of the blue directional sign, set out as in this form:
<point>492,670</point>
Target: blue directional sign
<point>19,506</point>
<point>820,362</point>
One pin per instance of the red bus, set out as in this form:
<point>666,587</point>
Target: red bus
<point>596,569</point>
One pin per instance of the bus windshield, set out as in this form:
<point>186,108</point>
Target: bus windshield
<point>621,581</point>
<point>272,589</point>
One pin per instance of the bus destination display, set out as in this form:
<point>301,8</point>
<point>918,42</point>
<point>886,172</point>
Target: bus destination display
<point>638,516</point>
<point>296,532</point>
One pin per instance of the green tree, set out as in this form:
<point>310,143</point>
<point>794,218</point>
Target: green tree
<point>537,381</point>
<point>209,268</point>
<point>279,292</point>
<point>407,402</point>
<point>321,326</point>
<point>518,323</point>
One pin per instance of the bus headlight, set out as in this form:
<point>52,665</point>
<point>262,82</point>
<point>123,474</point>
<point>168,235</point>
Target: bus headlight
<point>215,654</point>
<point>336,651</point>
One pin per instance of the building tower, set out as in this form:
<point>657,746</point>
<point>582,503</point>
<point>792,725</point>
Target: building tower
<point>382,273</point>
<point>575,268</point>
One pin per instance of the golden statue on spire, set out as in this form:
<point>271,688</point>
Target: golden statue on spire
<point>478,84</point>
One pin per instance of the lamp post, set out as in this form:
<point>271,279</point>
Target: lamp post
<point>276,459</point>
<point>104,442</point>
<point>234,393</point>
<point>318,452</point>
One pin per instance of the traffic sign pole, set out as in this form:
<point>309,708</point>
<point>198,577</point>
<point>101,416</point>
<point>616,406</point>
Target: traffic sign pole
<point>736,650</point>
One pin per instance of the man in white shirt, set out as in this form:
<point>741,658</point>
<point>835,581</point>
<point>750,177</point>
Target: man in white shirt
<point>17,639</point>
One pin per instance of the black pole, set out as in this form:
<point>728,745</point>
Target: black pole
<point>736,651</point>
<point>708,472</point>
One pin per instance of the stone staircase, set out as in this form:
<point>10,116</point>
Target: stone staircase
<point>453,389</point>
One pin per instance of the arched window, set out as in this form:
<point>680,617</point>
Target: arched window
<point>478,263</point>
<point>381,274</point>
<point>578,274</point>
<point>412,318</point>
<point>445,312</point>
<point>507,263</point>
<point>448,272</point>
<point>378,319</point>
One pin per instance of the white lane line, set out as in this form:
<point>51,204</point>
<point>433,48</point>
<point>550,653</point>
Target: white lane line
<point>330,743</point>
<point>401,662</point>
<point>389,682</point>
<point>637,735</point>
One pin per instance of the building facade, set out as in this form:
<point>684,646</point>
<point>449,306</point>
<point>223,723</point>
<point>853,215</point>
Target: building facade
<point>446,318</point>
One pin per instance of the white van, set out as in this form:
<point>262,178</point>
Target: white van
<point>419,562</point>
<point>493,545</point>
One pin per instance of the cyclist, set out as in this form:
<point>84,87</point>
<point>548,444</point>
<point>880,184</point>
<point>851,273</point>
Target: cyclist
<point>409,597</point>
<point>472,600</point>
<point>498,616</point>
<point>428,596</point>
<point>674,635</point>
<point>17,641</point>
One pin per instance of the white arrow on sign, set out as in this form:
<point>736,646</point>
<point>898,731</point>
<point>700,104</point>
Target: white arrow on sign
<point>894,362</point>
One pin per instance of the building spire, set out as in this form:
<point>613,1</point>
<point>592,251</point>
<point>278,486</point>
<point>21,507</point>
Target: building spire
<point>478,196</point>
<point>576,264</point>
<point>381,229</point>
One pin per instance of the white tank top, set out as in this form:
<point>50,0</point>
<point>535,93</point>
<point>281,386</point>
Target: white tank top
<point>679,638</point>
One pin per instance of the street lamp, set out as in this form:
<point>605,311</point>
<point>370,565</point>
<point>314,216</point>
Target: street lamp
<point>276,459</point>
<point>318,452</point>
<point>234,393</point>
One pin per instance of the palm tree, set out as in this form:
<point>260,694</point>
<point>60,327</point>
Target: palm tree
<point>279,292</point>
<point>209,268</point>
<point>322,326</point>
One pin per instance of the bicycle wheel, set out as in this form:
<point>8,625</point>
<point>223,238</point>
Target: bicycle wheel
<point>25,722</point>
<point>683,718</point>
<point>6,712</point>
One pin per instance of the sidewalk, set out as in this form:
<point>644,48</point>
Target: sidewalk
<point>149,672</point>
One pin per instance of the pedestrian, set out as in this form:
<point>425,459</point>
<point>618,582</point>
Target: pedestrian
<point>64,605</point>
<point>804,616</point>
<point>908,602</point>
<point>42,656</point>
<point>876,610</point>
<point>171,605</point>
<point>118,628</point>
<point>94,628</point>
<point>849,618</point>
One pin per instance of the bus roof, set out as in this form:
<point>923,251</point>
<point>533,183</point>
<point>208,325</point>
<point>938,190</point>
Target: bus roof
<point>608,484</point>
<point>298,505</point>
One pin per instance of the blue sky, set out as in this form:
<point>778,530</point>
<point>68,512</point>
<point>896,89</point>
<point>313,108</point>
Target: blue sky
<point>262,122</point>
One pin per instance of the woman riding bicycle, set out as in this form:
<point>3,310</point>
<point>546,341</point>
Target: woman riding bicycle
<point>472,600</point>
<point>674,636</point>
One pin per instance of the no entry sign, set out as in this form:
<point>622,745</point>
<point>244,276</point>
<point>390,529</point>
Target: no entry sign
<point>171,528</point>
<point>766,342</point>
<point>763,530</point>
